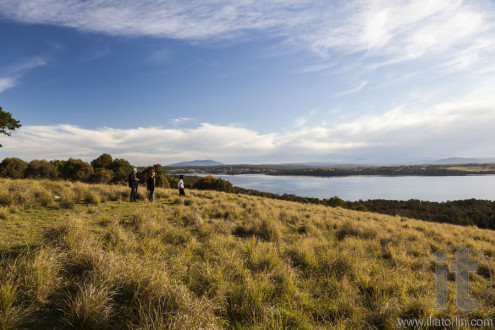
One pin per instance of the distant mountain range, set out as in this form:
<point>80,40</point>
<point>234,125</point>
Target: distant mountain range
<point>462,160</point>
<point>350,164</point>
<point>206,162</point>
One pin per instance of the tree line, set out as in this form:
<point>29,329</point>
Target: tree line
<point>103,169</point>
<point>470,212</point>
<point>429,170</point>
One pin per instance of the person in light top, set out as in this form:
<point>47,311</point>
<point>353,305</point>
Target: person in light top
<point>180,185</point>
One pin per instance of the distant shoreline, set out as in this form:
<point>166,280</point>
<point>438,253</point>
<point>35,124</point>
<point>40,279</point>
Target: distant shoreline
<point>424,170</point>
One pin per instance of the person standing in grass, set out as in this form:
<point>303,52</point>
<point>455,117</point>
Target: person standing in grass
<point>151,187</point>
<point>181,186</point>
<point>133,183</point>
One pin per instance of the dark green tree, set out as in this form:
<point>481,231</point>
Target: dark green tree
<point>77,170</point>
<point>41,169</point>
<point>209,182</point>
<point>160,175</point>
<point>7,123</point>
<point>13,168</point>
<point>102,175</point>
<point>103,161</point>
<point>121,169</point>
<point>336,201</point>
<point>59,165</point>
<point>172,181</point>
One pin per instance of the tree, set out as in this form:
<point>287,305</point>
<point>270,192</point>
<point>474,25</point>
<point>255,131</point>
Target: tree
<point>103,161</point>
<point>160,175</point>
<point>7,123</point>
<point>13,168</point>
<point>41,169</point>
<point>77,170</point>
<point>121,169</point>
<point>209,182</point>
<point>101,175</point>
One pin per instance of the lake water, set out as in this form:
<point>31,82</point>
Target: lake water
<point>352,188</point>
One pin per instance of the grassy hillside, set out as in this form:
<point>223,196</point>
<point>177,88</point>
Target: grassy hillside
<point>90,259</point>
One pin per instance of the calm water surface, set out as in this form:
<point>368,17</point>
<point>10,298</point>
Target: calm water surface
<point>353,188</point>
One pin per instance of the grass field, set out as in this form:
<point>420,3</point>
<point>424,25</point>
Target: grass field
<point>89,259</point>
<point>472,167</point>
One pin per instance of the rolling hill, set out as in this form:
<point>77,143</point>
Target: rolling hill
<point>87,258</point>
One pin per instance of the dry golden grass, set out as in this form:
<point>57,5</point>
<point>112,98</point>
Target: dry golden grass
<point>211,260</point>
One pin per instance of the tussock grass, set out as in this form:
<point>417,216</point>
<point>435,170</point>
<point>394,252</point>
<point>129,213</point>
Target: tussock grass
<point>91,307</point>
<point>210,260</point>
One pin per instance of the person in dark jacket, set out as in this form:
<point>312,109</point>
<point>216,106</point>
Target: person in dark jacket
<point>151,187</point>
<point>133,183</point>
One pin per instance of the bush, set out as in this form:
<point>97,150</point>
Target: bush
<point>209,182</point>
<point>76,170</point>
<point>336,201</point>
<point>41,169</point>
<point>13,168</point>
<point>101,175</point>
<point>103,161</point>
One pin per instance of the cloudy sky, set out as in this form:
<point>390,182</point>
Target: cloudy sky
<point>251,81</point>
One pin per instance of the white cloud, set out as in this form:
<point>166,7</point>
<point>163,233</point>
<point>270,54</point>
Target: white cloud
<point>6,83</point>
<point>16,71</point>
<point>456,128</point>
<point>400,30</point>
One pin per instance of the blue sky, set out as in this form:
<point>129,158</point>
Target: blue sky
<point>248,81</point>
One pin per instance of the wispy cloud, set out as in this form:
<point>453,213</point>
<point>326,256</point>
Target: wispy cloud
<point>28,64</point>
<point>15,72</point>
<point>400,30</point>
<point>316,67</point>
<point>352,90</point>
<point>160,56</point>
<point>180,121</point>
<point>97,54</point>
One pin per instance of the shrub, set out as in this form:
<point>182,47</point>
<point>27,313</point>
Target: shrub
<point>101,175</point>
<point>103,161</point>
<point>13,168</point>
<point>336,201</point>
<point>76,170</point>
<point>41,169</point>
<point>209,182</point>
